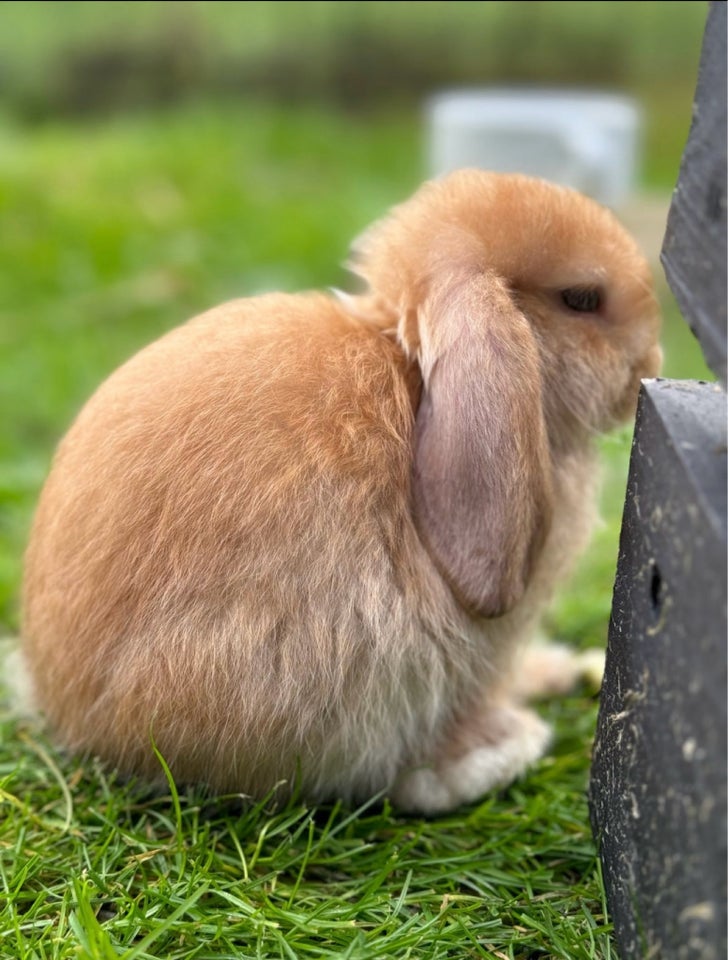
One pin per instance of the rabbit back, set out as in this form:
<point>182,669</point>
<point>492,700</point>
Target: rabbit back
<point>223,557</point>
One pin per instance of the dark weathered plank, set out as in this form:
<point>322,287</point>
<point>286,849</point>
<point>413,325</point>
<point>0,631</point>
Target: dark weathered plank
<point>658,792</point>
<point>694,250</point>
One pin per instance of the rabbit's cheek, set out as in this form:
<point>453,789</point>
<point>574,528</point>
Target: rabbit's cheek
<point>627,403</point>
<point>645,368</point>
<point>652,363</point>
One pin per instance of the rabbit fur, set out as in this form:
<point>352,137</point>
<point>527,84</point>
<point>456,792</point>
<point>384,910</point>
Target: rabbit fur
<point>303,538</point>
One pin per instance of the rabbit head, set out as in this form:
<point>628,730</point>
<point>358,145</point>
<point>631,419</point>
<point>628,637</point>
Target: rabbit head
<point>531,314</point>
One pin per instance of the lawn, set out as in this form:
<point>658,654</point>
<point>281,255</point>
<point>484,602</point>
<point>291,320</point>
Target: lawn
<point>113,232</point>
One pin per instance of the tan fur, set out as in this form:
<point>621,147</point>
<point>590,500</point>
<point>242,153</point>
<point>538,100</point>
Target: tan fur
<point>269,540</point>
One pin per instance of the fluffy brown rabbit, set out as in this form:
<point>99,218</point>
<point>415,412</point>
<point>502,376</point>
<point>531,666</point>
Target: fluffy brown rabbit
<point>305,538</point>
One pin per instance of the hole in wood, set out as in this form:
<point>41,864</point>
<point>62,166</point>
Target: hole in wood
<point>657,588</point>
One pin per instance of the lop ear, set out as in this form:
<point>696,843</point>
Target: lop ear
<point>482,472</point>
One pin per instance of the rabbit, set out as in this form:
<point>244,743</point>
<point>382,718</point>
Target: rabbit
<point>301,542</point>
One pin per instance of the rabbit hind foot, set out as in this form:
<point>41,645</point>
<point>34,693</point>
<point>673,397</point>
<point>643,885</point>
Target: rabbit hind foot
<point>453,780</point>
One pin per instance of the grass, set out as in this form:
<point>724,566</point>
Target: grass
<point>103,870</point>
<point>115,233</point>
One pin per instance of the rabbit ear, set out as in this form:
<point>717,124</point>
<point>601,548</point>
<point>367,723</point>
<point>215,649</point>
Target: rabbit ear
<point>481,479</point>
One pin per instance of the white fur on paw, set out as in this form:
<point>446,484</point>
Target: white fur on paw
<point>422,791</point>
<point>434,790</point>
<point>16,680</point>
<point>487,767</point>
<point>553,669</point>
<point>591,667</point>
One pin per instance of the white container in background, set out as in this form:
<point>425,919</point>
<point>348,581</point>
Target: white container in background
<point>584,140</point>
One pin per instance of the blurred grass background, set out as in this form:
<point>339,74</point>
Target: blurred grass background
<point>74,58</point>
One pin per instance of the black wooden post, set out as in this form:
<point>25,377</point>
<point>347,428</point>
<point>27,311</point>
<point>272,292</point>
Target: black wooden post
<point>658,786</point>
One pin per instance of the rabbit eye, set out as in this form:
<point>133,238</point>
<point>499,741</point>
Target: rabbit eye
<point>581,299</point>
